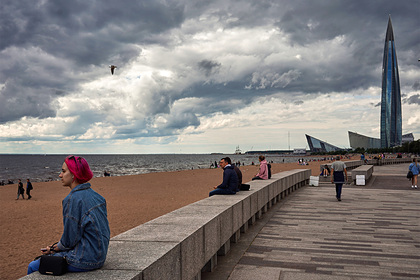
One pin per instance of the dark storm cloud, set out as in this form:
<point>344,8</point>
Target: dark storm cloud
<point>323,20</point>
<point>80,29</point>
<point>49,48</point>
<point>52,46</point>
<point>414,99</point>
<point>208,67</point>
<point>363,23</point>
<point>416,86</point>
<point>182,119</point>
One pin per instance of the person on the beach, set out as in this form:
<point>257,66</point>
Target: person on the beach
<point>28,188</point>
<point>263,171</point>
<point>338,170</point>
<point>415,168</point>
<point>86,234</point>
<point>21,190</point>
<point>230,179</point>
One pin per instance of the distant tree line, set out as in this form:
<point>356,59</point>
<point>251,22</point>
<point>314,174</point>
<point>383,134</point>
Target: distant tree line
<point>407,147</point>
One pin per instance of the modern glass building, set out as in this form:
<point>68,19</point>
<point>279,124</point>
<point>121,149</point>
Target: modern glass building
<point>391,121</point>
<point>409,137</point>
<point>316,145</point>
<point>362,141</point>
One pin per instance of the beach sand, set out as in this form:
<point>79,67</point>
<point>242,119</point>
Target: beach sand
<point>28,225</point>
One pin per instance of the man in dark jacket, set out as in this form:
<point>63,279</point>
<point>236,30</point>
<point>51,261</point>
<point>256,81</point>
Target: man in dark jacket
<point>239,174</point>
<point>230,179</point>
<point>28,188</point>
<point>21,190</point>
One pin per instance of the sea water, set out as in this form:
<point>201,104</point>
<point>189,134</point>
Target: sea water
<point>41,168</point>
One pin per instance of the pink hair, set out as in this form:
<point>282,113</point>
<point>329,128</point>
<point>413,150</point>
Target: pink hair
<point>79,167</point>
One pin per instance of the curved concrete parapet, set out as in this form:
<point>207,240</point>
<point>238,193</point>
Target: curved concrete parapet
<point>354,164</point>
<point>364,170</point>
<point>182,243</point>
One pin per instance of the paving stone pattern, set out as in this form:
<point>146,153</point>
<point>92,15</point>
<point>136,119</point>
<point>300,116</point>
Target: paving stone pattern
<point>373,233</point>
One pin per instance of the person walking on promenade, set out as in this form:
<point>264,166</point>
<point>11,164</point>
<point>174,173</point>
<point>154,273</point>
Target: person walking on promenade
<point>338,170</point>
<point>86,234</point>
<point>263,171</point>
<point>415,168</point>
<point>28,188</point>
<point>21,190</point>
<point>230,179</point>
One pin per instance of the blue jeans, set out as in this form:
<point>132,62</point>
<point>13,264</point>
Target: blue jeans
<point>221,191</point>
<point>34,266</point>
<point>338,188</point>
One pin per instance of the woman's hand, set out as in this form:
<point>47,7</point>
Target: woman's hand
<point>46,251</point>
<point>54,248</point>
<point>50,250</point>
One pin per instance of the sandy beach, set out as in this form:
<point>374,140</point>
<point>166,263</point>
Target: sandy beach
<point>28,225</point>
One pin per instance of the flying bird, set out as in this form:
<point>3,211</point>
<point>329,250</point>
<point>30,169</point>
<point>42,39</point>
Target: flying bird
<point>112,68</point>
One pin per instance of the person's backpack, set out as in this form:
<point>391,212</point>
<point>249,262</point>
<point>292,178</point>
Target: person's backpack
<point>269,171</point>
<point>409,174</point>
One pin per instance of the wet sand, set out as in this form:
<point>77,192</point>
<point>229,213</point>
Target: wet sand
<point>28,225</point>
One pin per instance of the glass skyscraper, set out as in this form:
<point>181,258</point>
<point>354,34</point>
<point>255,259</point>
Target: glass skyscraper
<point>391,120</point>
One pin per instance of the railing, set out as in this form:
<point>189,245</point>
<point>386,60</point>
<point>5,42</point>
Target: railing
<point>187,241</point>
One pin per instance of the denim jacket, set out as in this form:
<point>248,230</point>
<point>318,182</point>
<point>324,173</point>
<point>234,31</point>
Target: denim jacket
<point>414,168</point>
<point>86,234</point>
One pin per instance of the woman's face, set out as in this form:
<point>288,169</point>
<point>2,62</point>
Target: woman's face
<point>66,176</point>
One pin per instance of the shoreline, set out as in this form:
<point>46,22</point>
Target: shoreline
<point>28,225</point>
<point>41,168</point>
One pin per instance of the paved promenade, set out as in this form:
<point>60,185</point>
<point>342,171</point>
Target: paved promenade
<point>373,233</point>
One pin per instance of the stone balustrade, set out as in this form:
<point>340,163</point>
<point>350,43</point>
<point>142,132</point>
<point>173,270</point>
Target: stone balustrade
<point>353,164</point>
<point>184,242</point>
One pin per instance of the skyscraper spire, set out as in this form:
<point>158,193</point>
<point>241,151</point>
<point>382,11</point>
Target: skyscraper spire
<point>391,120</point>
<point>389,31</point>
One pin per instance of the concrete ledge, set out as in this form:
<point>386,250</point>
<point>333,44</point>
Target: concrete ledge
<point>353,164</point>
<point>365,170</point>
<point>387,161</point>
<point>182,243</point>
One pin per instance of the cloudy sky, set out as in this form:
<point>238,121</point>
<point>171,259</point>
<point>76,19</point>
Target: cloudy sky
<point>198,76</point>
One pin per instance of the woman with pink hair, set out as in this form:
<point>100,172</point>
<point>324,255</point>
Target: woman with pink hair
<point>85,239</point>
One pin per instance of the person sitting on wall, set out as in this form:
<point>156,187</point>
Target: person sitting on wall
<point>230,179</point>
<point>325,171</point>
<point>263,171</point>
<point>85,239</point>
<point>238,173</point>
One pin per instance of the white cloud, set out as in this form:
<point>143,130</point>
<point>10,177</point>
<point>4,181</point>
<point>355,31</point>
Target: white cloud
<point>251,70</point>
